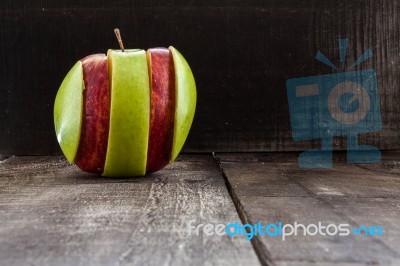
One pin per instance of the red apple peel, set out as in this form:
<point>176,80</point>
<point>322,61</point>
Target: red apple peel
<point>162,110</point>
<point>92,149</point>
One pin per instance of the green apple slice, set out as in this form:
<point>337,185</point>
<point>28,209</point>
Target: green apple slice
<point>68,111</point>
<point>185,93</point>
<point>129,113</point>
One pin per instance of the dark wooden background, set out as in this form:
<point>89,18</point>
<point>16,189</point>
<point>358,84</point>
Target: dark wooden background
<point>241,53</point>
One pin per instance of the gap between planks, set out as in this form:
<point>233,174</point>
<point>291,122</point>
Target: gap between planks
<point>261,251</point>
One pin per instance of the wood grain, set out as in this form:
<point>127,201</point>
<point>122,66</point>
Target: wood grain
<point>271,188</point>
<point>53,214</point>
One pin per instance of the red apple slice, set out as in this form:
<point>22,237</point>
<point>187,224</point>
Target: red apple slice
<point>162,108</point>
<point>92,149</point>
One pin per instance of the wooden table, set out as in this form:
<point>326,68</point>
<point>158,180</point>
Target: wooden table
<point>51,213</point>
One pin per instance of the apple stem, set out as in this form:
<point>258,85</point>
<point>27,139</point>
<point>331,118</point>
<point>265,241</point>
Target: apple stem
<point>118,34</point>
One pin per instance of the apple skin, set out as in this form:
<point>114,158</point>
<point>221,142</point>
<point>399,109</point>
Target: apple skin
<point>68,111</point>
<point>162,108</point>
<point>129,115</point>
<point>92,150</point>
<point>185,103</point>
<point>150,110</point>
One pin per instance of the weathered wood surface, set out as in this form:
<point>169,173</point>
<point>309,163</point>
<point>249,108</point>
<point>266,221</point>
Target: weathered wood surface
<point>54,214</point>
<point>241,53</point>
<point>271,188</point>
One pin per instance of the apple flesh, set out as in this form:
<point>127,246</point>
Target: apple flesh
<point>134,115</point>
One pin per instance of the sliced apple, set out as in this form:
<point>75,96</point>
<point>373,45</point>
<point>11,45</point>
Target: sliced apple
<point>162,108</point>
<point>129,113</point>
<point>68,112</point>
<point>92,149</point>
<point>185,103</point>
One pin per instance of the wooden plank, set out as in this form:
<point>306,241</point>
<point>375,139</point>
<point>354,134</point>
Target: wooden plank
<point>271,188</point>
<point>241,54</point>
<point>51,213</point>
